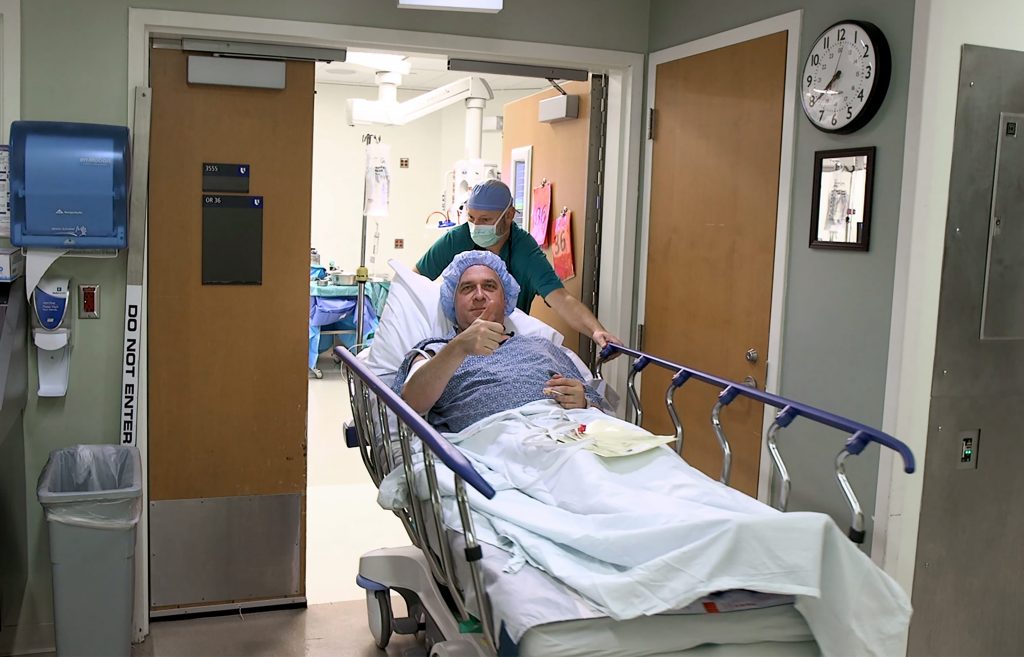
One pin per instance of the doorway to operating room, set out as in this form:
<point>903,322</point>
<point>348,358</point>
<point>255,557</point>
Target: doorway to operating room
<point>622,102</point>
<point>424,154</point>
<point>427,160</point>
<point>338,495</point>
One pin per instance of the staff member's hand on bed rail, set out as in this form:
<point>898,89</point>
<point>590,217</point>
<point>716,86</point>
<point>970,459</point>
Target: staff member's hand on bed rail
<point>569,393</point>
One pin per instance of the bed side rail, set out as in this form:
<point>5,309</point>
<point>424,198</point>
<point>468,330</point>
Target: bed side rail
<point>860,435</point>
<point>372,435</point>
<point>444,450</point>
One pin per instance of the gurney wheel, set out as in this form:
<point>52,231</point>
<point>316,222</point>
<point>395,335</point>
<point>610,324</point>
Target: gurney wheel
<point>378,615</point>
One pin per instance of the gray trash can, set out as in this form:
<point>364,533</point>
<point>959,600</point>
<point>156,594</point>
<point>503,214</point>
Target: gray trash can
<point>92,497</point>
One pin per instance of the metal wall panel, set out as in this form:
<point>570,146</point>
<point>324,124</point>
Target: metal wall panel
<point>224,548</point>
<point>1003,310</point>
<point>969,580</point>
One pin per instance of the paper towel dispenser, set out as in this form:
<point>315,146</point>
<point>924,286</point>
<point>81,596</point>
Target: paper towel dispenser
<point>69,185</point>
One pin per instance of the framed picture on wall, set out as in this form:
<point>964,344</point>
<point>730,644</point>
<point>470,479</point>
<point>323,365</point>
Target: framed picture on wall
<point>521,169</point>
<point>841,199</point>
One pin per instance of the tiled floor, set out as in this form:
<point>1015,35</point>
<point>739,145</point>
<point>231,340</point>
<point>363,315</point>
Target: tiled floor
<point>343,520</point>
<point>333,630</point>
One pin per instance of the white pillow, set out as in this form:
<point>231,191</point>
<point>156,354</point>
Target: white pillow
<point>413,314</point>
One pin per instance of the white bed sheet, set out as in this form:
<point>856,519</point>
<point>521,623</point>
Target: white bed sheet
<point>762,632</point>
<point>563,624</point>
<point>852,607</point>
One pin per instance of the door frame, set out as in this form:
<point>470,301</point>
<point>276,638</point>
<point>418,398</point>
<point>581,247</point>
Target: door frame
<point>790,23</point>
<point>10,65</point>
<point>622,160</point>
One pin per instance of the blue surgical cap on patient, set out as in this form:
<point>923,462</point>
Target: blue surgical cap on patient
<point>452,274</point>
<point>490,195</point>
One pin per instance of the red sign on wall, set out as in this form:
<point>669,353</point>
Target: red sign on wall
<point>561,246</point>
<point>540,214</point>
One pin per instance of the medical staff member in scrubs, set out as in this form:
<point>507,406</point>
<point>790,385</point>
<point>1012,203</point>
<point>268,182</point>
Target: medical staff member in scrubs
<point>491,227</point>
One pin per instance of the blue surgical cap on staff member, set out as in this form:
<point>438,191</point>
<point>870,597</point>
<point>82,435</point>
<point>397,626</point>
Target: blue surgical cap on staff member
<point>490,195</point>
<point>452,274</point>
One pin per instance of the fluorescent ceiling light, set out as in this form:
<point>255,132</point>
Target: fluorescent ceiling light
<point>520,70</point>
<point>379,61</point>
<point>486,6</point>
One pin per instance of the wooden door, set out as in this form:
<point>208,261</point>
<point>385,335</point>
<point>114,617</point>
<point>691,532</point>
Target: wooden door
<point>560,155</point>
<point>227,373</point>
<point>711,244</point>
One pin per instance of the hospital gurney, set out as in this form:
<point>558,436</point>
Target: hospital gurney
<point>442,577</point>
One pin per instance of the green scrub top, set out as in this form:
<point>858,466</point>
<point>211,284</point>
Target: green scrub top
<point>524,259</point>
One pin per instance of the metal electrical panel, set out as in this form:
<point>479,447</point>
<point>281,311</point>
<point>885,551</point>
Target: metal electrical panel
<point>967,577</point>
<point>1003,305</point>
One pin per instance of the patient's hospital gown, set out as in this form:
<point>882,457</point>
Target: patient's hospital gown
<point>514,375</point>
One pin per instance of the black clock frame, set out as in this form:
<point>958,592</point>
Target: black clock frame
<point>878,91</point>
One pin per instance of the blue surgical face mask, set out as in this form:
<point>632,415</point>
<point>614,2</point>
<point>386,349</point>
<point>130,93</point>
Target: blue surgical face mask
<point>485,236</point>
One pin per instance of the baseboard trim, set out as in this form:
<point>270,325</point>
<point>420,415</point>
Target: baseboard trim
<point>202,610</point>
<point>27,639</point>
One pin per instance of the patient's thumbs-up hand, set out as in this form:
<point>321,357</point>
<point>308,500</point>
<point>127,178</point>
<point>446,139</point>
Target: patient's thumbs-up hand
<point>481,338</point>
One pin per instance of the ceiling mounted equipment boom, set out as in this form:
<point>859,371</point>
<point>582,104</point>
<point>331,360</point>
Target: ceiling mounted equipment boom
<point>387,110</point>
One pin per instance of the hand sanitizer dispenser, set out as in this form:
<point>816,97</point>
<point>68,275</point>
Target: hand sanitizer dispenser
<point>51,334</point>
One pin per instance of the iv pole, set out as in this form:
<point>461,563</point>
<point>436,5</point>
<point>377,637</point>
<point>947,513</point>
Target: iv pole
<point>362,274</point>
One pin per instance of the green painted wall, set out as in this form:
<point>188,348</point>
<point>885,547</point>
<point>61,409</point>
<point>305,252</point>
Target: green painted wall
<point>838,305</point>
<point>75,68</point>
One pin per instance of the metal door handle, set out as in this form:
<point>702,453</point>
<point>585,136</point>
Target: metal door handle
<point>752,355</point>
<point>750,381</point>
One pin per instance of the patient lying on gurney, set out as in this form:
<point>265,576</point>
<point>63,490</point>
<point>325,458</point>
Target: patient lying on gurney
<point>480,369</point>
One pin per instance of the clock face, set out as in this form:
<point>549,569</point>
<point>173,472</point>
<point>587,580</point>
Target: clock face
<point>845,76</point>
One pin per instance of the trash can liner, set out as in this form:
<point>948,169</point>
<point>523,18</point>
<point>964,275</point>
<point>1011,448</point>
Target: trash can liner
<point>97,486</point>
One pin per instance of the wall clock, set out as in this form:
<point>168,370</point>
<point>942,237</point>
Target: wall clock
<point>845,76</point>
